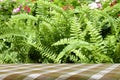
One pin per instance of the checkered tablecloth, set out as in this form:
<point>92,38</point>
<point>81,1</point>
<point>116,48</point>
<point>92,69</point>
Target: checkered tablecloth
<point>59,71</point>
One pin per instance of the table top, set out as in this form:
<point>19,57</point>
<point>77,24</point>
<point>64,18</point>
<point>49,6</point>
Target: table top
<point>59,71</point>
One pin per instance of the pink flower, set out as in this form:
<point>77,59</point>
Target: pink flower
<point>16,10</point>
<point>99,5</point>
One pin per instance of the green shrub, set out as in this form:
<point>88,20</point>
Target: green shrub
<point>50,34</point>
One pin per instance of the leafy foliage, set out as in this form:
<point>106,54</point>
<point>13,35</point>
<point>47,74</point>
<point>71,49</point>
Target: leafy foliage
<point>52,34</point>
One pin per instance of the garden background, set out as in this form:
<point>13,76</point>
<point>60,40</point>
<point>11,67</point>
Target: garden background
<point>59,31</point>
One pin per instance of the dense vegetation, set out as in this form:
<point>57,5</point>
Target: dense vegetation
<point>59,31</point>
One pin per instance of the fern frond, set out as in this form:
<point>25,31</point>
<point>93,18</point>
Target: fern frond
<point>44,51</point>
<point>54,7</point>
<point>8,32</point>
<point>112,10</point>
<point>63,41</point>
<point>23,16</point>
<point>74,45</point>
<point>117,53</point>
<point>83,58</point>
<point>74,58</point>
<point>95,38</point>
<point>75,29</point>
<point>101,58</point>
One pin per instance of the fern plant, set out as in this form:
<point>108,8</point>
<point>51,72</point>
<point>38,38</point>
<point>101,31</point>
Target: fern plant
<point>99,50</point>
<point>31,36</point>
<point>50,34</point>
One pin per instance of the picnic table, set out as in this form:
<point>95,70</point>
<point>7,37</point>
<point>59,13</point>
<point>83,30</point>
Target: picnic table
<point>59,71</point>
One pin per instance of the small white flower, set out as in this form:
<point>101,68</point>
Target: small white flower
<point>14,0</point>
<point>97,0</point>
<point>104,0</point>
<point>1,0</point>
<point>93,5</point>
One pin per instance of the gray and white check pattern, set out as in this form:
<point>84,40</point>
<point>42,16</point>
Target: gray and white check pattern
<point>60,72</point>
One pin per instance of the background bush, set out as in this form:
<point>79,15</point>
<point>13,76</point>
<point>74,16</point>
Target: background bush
<point>59,32</point>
